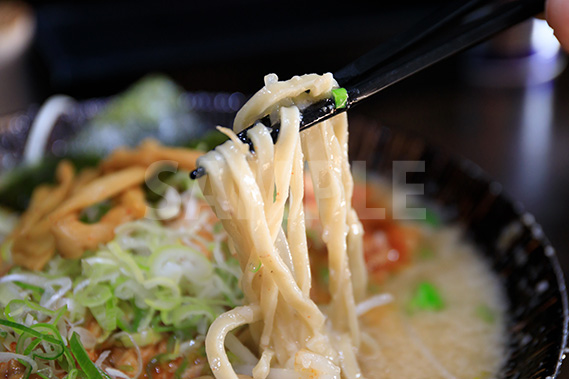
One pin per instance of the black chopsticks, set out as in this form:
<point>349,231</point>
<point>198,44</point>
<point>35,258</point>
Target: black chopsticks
<point>454,27</point>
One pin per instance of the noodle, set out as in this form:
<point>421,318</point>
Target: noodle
<point>249,193</point>
<point>153,283</point>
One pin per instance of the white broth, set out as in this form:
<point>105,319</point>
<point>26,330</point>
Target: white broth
<point>465,338</point>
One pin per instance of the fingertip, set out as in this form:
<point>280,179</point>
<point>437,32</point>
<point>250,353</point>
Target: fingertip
<point>557,14</point>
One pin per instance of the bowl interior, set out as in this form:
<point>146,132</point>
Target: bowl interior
<point>510,238</point>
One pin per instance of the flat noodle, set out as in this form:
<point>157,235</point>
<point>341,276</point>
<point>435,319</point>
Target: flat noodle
<point>248,193</point>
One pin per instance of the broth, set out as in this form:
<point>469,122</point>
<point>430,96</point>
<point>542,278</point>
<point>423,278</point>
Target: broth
<point>464,339</point>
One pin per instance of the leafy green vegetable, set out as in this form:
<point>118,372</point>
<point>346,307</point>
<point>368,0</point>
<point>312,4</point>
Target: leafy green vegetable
<point>426,298</point>
<point>340,96</point>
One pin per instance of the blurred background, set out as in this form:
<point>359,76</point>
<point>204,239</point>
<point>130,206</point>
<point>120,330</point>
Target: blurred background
<point>503,105</point>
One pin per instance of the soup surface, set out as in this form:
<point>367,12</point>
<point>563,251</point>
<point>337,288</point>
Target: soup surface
<point>460,336</point>
<point>446,317</point>
<point>442,314</point>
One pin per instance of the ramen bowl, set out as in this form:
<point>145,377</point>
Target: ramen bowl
<point>510,239</point>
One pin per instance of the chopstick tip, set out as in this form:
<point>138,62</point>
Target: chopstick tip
<point>197,173</point>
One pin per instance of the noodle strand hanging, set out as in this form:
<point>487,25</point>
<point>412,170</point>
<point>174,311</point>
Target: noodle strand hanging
<point>250,193</point>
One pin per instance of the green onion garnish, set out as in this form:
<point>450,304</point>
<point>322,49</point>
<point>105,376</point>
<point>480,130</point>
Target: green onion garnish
<point>30,287</point>
<point>89,368</point>
<point>324,274</point>
<point>30,331</point>
<point>426,253</point>
<point>256,268</point>
<point>340,96</point>
<point>485,313</point>
<point>275,193</point>
<point>180,370</point>
<point>426,297</point>
<point>432,218</point>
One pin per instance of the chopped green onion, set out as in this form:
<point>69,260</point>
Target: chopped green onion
<point>275,193</point>
<point>192,313</point>
<point>48,352</point>
<point>139,315</point>
<point>340,96</point>
<point>88,367</point>
<point>484,375</point>
<point>72,374</point>
<point>256,268</point>
<point>432,218</point>
<point>217,227</point>
<point>232,357</point>
<point>166,294</point>
<point>180,370</point>
<point>486,314</point>
<point>30,331</point>
<point>374,288</point>
<point>10,313</point>
<point>313,238</point>
<point>55,353</point>
<point>324,274</point>
<point>426,253</point>
<point>5,248</point>
<point>93,296</point>
<point>30,287</point>
<point>126,368</point>
<point>201,351</point>
<point>28,367</point>
<point>106,314</point>
<point>426,297</point>
<point>144,338</point>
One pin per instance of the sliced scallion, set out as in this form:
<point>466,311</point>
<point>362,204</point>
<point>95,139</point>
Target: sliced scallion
<point>340,96</point>
<point>80,354</point>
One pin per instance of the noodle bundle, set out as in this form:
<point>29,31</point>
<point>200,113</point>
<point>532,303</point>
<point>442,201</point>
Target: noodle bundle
<point>128,270</point>
<point>250,193</point>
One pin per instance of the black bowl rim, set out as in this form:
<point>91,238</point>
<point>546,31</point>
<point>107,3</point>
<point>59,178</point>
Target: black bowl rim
<point>474,171</point>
